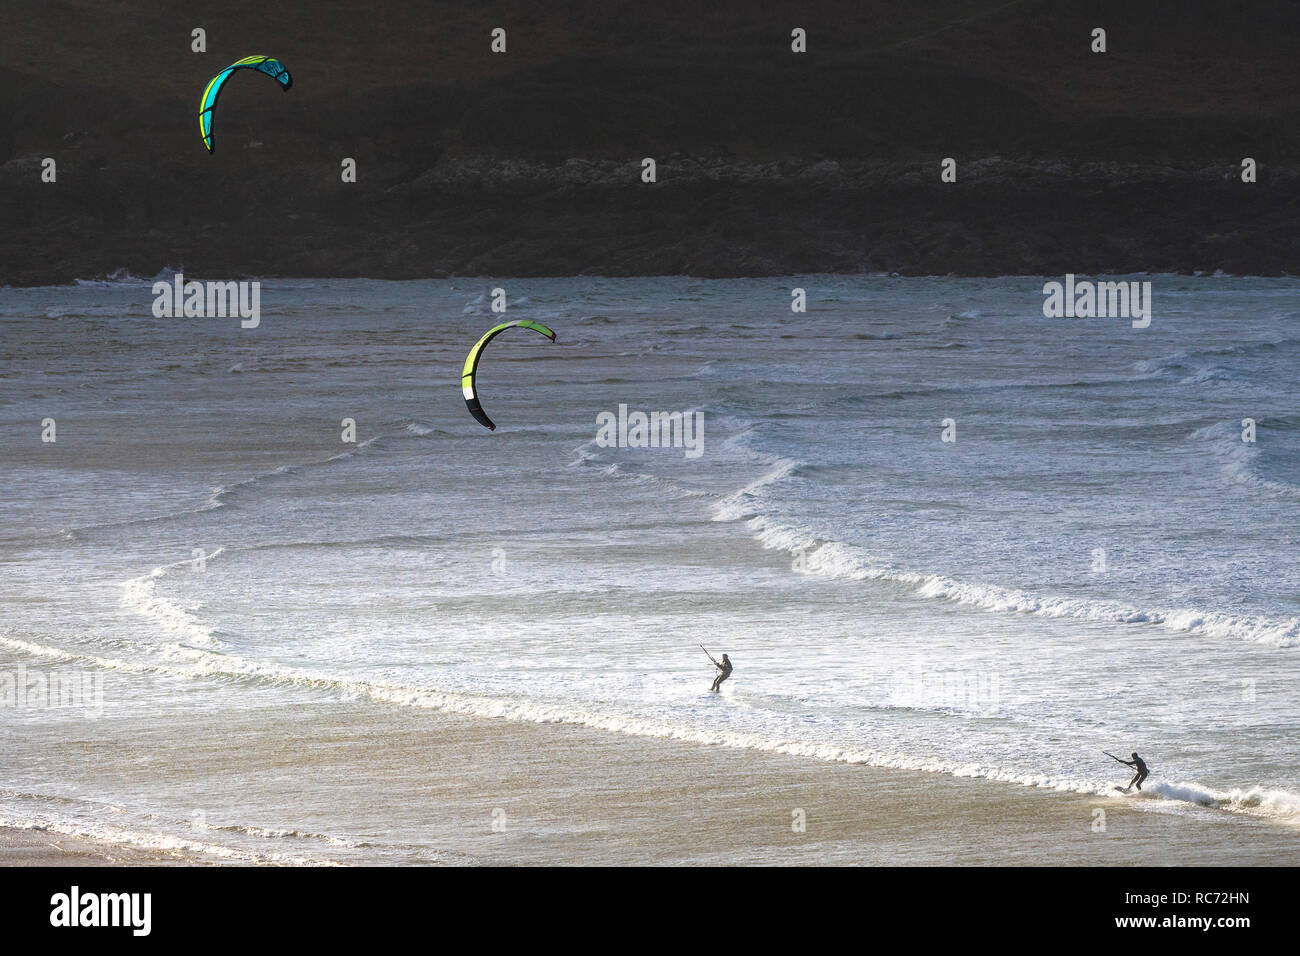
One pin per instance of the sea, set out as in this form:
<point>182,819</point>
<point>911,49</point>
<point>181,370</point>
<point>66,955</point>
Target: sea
<point>934,529</point>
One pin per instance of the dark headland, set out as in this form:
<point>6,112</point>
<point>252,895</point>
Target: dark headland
<point>769,162</point>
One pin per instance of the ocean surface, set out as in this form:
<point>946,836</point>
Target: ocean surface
<point>1096,562</point>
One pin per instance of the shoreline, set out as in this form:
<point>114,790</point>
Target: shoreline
<point>21,847</point>
<point>570,795</point>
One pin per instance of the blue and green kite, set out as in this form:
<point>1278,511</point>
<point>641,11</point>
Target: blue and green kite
<point>263,64</point>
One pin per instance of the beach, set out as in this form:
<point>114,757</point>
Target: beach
<point>42,848</point>
<point>272,596</point>
<point>568,795</point>
<point>849,434</point>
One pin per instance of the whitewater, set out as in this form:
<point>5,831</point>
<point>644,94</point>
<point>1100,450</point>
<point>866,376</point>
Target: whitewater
<point>935,531</point>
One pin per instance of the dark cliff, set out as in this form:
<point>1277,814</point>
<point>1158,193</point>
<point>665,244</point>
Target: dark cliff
<point>528,163</point>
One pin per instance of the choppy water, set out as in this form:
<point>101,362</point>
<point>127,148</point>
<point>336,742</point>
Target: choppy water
<point>1098,561</point>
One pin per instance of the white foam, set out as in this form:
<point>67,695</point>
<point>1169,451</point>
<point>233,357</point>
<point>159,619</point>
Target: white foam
<point>742,503</point>
<point>116,277</point>
<point>839,560</point>
<point>162,842</point>
<point>1238,459</point>
<point>141,595</point>
<point>1279,805</point>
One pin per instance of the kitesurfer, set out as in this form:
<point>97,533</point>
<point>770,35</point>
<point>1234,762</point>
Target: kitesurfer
<point>724,671</point>
<point>1140,766</point>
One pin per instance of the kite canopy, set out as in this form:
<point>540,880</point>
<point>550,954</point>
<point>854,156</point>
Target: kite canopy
<point>469,374</point>
<point>263,64</point>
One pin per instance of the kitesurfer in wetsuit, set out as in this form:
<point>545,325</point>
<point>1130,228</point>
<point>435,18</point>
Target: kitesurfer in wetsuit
<point>1140,766</point>
<point>725,671</point>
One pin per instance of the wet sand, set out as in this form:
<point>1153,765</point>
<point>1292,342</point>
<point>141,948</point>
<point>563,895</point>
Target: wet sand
<point>44,848</point>
<point>410,786</point>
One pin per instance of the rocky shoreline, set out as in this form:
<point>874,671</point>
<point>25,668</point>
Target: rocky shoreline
<point>769,162</point>
<point>704,217</point>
